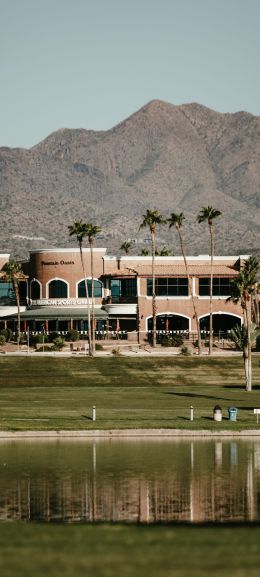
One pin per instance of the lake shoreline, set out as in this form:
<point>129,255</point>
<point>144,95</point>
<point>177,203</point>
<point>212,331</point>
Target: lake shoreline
<point>129,434</point>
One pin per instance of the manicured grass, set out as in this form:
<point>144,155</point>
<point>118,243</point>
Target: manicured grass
<point>58,393</point>
<point>35,550</point>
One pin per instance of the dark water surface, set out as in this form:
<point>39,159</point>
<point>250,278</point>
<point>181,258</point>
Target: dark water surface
<point>130,481</point>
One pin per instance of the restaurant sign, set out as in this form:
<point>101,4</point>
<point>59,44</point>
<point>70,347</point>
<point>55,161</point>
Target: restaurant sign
<point>59,302</point>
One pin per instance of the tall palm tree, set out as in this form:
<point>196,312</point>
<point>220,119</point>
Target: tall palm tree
<point>152,219</point>
<point>177,221</point>
<point>126,246</point>
<point>79,229</point>
<point>243,288</point>
<point>12,272</point>
<point>208,214</point>
<point>92,230</point>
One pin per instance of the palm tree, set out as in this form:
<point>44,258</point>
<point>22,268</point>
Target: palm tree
<point>152,219</point>
<point>208,213</point>
<point>243,288</point>
<point>79,229</point>
<point>12,272</point>
<point>92,230</point>
<point>126,246</point>
<point>177,220</point>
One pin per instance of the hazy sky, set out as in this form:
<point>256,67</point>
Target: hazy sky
<point>92,63</point>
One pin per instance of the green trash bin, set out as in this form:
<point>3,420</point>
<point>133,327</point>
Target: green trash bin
<point>232,413</point>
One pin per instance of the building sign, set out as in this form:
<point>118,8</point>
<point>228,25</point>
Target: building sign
<point>58,302</point>
<point>56,262</point>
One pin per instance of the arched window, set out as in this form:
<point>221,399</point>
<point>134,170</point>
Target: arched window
<point>222,322</point>
<point>97,289</point>
<point>35,290</point>
<point>58,289</point>
<point>170,322</point>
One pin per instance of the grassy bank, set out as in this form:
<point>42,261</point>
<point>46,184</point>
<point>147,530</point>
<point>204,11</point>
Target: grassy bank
<point>129,551</point>
<point>58,393</point>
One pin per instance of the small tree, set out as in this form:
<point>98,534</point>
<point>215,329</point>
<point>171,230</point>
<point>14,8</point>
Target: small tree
<point>79,229</point>
<point>126,246</point>
<point>176,220</point>
<point>91,231</point>
<point>209,214</point>
<point>243,288</point>
<point>12,272</point>
<point>152,219</point>
<point>163,252</point>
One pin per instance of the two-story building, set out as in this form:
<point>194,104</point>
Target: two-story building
<point>54,296</point>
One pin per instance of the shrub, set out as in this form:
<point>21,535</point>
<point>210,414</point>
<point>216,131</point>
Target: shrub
<point>2,339</point>
<point>99,347</point>
<point>44,349</point>
<point>52,336</point>
<point>58,344</point>
<point>7,333</point>
<point>185,350</point>
<point>39,339</point>
<point>177,341</point>
<point>116,352</point>
<point>174,341</point>
<point>72,335</point>
<point>166,341</point>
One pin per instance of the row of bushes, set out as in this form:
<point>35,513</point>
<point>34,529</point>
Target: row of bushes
<point>7,335</point>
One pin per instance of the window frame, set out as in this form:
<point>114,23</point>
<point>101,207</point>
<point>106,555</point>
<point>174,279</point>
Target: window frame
<point>175,287</point>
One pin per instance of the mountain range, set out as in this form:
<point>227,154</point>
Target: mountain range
<point>165,157</point>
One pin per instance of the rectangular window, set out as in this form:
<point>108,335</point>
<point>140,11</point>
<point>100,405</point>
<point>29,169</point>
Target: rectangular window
<point>221,286</point>
<point>125,287</point>
<point>168,287</point>
<point>7,294</point>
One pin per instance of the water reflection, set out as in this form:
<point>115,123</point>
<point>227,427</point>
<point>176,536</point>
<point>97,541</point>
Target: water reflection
<point>139,481</point>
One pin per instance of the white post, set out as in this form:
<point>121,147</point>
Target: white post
<point>93,413</point>
<point>191,413</point>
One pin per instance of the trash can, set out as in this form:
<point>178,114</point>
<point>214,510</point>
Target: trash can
<point>232,413</point>
<point>217,413</point>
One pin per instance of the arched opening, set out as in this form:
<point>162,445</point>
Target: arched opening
<point>222,323</point>
<point>169,323</point>
<point>58,289</point>
<point>35,290</point>
<point>97,289</point>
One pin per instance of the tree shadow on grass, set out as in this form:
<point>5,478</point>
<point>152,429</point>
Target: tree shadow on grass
<point>245,408</point>
<point>211,419</point>
<point>194,395</point>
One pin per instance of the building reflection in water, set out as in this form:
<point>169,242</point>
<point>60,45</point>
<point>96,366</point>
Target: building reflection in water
<point>145,482</point>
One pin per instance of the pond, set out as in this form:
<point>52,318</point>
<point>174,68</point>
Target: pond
<point>130,481</point>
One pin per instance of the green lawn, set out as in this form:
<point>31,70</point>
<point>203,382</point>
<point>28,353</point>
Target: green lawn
<point>35,550</point>
<point>58,393</point>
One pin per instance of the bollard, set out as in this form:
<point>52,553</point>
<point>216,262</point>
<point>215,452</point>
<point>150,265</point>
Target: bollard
<point>94,413</point>
<point>191,413</point>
